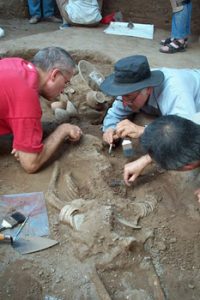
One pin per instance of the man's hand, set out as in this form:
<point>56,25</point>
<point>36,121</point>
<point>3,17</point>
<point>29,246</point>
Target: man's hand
<point>197,193</point>
<point>73,133</point>
<point>109,136</point>
<point>15,153</point>
<point>32,162</point>
<point>127,128</point>
<point>133,169</point>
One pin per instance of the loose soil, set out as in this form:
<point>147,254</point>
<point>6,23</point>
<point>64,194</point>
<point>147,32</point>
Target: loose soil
<point>139,242</point>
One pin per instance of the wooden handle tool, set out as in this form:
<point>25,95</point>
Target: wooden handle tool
<point>6,237</point>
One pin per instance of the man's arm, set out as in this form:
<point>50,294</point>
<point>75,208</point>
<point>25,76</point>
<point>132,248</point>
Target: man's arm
<point>31,162</point>
<point>197,193</point>
<point>133,169</point>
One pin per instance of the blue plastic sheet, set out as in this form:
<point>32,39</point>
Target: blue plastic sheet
<point>29,204</point>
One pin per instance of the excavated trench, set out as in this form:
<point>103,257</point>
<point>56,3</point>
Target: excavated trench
<point>115,242</point>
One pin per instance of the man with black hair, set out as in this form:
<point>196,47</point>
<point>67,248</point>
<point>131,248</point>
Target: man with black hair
<point>21,83</point>
<point>172,142</point>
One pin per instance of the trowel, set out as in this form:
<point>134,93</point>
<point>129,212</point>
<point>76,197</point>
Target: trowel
<point>33,244</point>
<point>29,244</point>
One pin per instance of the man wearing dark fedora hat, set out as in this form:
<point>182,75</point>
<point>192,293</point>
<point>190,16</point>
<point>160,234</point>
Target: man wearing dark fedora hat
<point>162,91</point>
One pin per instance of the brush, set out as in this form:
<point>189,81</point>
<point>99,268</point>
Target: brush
<point>12,220</point>
<point>9,238</point>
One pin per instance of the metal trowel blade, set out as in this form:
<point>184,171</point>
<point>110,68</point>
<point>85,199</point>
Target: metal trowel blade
<point>33,244</point>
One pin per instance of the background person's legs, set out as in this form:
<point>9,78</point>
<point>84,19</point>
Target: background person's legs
<point>181,22</point>
<point>34,11</point>
<point>48,7</point>
<point>34,8</point>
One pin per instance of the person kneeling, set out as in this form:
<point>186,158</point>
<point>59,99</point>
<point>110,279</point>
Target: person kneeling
<point>80,12</point>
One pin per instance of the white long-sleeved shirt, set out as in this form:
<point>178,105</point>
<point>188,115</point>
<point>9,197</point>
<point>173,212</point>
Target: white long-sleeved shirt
<point>83,11</point>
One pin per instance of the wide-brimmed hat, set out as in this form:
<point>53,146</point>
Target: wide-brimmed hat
<point>131,74</point>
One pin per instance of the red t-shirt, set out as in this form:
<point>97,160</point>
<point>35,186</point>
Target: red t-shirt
<point>20,110</point>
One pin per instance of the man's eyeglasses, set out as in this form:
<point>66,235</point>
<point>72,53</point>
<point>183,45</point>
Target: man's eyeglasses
<point>129,98</point>
<point>67,81</point>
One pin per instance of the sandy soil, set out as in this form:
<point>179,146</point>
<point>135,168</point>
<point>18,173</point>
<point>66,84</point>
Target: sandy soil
<point>140,242</point>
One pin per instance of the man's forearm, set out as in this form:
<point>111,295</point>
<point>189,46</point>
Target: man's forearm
<point>115,114</point>
<point>51,144</point>
<point>31,162</point>
<point>133,169</point>
<point>147,159</point>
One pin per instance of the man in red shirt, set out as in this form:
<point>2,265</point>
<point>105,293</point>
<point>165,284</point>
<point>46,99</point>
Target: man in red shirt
<point>21,83</point>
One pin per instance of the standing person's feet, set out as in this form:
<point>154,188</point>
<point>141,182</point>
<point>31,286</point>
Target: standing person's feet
<point>52,19</point>
<point>174,47</point>
<point>170,39</point>
<point>34,20</point>
<point>166,41</point>
<point>64,26</point>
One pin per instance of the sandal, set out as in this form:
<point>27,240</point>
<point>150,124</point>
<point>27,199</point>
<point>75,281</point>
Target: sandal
<point>166,41</point>
<point>169,40</point>
<point>173,47</point>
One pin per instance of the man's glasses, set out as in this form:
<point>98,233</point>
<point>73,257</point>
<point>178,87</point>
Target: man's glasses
<point>129,98</point>
<point>67,81</point>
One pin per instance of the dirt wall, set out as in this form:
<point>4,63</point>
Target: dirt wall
<point>141,11</point>
<point>13,8</point>
<point>157,12</point>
